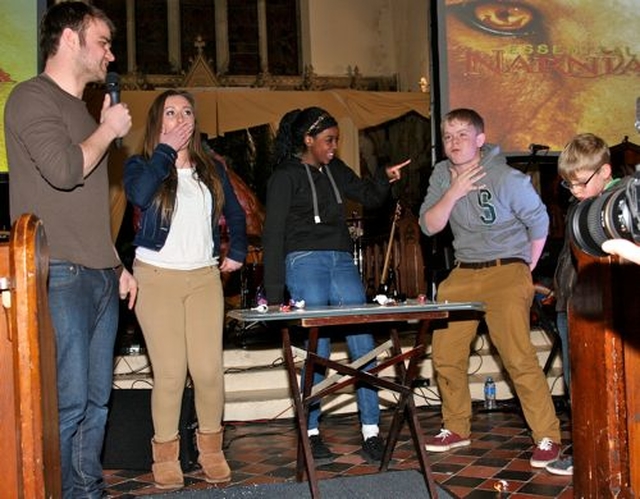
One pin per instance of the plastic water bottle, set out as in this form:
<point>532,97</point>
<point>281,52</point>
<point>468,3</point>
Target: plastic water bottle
<point>489,394</point>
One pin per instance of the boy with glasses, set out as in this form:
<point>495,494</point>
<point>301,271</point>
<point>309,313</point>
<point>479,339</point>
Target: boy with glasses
<point>585,168</point>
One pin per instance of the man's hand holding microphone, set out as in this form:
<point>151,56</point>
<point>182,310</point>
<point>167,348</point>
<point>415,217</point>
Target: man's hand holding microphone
<point>115,114</point>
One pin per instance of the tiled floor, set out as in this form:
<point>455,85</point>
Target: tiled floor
<point>495,465</point>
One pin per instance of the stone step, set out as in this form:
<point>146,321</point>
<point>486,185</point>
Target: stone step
<point>482,363</point>
<point>240,357</point>
<point>257,387</point>
<point>250,405</point>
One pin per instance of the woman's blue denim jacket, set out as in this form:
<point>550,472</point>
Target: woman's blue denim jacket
<point>143,177</point>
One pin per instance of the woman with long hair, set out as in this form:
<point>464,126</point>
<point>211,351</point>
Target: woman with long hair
<point>182,192</point>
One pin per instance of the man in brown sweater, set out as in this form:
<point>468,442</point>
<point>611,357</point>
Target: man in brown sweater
<point>58,171</point>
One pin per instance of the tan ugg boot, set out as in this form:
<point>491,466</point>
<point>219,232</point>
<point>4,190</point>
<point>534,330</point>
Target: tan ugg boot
<point>167,472</point>
<point>211,458</point>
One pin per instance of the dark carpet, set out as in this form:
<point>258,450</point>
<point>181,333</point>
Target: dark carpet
<point>407,484</point>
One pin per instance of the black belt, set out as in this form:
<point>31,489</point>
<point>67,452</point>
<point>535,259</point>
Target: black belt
<point>490,263</point>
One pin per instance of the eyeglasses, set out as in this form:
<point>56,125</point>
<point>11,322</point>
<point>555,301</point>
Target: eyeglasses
<point>576,185</point>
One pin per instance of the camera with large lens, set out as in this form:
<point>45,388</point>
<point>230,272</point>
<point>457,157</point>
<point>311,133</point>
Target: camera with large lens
<point>612,215</point>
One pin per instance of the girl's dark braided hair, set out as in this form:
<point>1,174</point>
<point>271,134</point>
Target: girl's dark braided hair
<point>295,126</point>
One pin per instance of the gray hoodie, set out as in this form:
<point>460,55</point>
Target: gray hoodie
<point>498,221</point>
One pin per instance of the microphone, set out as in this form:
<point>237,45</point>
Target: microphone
<point>112,84</point>
<point>538,147</point>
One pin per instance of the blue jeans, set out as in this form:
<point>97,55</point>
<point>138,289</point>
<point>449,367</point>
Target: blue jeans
<point>323,278</point>
<point>84,310</point>
<point>562,323</point>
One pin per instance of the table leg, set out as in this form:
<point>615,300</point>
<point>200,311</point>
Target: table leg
<point>398,414</point>
<point>419,443</point>
<point>406,408</point>
<point>305,458</point>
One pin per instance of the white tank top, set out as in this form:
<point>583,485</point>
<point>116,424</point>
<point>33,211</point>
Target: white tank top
<point>189,244</point>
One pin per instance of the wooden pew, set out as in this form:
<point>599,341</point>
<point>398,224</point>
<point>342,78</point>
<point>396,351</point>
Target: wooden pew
<point>29,447</point>
<point>604,329</point>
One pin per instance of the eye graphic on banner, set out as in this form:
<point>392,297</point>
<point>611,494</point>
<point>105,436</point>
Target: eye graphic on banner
<point>540,71</point>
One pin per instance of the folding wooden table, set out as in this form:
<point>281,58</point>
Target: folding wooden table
<point>406,365</point>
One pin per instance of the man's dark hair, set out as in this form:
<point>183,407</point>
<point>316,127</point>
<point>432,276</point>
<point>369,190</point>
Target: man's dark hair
<point>73,15</point>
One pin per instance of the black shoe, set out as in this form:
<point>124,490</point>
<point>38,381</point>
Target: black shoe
<point>320,452</point>
<point>373,449</point>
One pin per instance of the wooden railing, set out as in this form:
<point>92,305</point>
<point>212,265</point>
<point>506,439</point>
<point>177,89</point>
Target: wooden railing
<point>29,447</point>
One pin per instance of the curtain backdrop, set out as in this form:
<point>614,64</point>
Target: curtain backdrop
<point>222,110</point>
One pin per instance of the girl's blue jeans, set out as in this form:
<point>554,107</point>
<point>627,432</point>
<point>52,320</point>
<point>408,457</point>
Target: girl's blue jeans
<point>323,278</point>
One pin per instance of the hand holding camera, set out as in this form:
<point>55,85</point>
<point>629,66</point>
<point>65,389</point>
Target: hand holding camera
<point>623,248</point>
<point>615,214</point>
